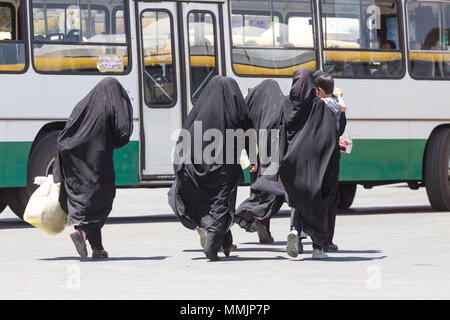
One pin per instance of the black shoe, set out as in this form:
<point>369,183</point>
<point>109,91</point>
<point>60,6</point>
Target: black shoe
<point>213,243</point>
<point>227,243</point>
<point>211,256</point>
<point>300,246</point>
<point>330,248</point>
<point>263,233</point>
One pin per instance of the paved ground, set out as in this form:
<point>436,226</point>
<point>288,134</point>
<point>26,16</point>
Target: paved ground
<point>393,246</point>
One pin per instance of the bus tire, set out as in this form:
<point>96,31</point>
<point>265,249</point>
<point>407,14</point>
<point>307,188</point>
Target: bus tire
<point>437,170</point>
<point>347,193</point>
<point>17,199</point>
<point>41,159</point>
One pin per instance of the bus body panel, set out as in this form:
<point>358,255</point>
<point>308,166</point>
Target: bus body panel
<point>389,120</point>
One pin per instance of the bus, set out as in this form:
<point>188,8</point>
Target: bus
<point>391,57</point>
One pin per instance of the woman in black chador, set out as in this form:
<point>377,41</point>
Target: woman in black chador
<point>266,193</point>
<point>100,123</point>
<point>309,138</point>
<point>204,192</point>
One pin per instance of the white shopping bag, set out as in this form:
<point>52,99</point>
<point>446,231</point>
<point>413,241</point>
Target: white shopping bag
<point>44,210</point>
<point>345,142</point>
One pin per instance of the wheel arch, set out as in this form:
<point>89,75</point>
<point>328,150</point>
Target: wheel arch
<point>443,125</point>
<point>51,126</point>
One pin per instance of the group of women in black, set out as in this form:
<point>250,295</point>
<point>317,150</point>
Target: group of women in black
<point>203,195</point>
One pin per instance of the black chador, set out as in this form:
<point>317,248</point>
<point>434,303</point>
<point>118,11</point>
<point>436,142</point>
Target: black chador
<point>333,179</point>
<point>204,192</point>
<point>309,139</point>
<point>266,193</point>
<point>100,123</point>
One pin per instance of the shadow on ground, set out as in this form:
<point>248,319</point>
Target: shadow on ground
<point>73,258</point>
<point>238,258</point>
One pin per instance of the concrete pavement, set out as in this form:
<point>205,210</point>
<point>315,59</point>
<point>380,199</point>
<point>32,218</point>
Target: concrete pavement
<point>392,244</point>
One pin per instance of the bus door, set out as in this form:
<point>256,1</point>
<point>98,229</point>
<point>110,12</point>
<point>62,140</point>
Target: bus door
<point>179,55</point>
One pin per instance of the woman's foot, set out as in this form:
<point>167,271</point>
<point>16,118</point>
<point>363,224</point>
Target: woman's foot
<point>213,243</point>
<point>300,245</point>
<point>227,243</point>
<point>202,233</point>
<point>79,242</point>
<point>331,248</point>
<point>292,244</point>
<point>318,254</point>
<point>211,256</point>
<point>99,254</point>
<point>263,233</point>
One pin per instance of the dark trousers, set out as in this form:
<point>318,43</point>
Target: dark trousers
<point>333,195</point>
<point>331,184</point>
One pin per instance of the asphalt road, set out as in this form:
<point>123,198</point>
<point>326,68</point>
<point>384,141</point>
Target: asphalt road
<point>393,246</point>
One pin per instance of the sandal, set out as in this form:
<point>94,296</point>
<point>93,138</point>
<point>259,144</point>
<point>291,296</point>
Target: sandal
<point>99,254</point>
<point>80,244</point>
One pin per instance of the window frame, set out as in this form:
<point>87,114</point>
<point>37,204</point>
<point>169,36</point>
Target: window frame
<point>22,7</point>
<point>216,55</point>
<point>421,51</point>
<point>127,43</point>
<point>402,50</point>
<point>174,61</point>
<point>13,17</point>
<point>276,13</point>
<point>114,16</point>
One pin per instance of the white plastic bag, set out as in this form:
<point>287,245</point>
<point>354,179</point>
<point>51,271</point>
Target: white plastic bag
<point>43,209</point>
<point>245,162</point>
<point>345,142</point>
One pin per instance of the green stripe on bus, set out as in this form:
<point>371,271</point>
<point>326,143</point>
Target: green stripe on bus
<point>13,163</point>
<point>383,159</point>
<point>370,160</point>
<point>14,157</point>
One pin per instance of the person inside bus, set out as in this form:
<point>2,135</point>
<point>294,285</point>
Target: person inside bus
<point>389,68</point>
<point>307,142</point>
<point>203,194</point>
<point>266,192</point>
<point>101,122</point>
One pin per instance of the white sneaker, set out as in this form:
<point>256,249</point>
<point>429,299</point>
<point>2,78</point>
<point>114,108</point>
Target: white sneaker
<point>318,254</point>
<point>292,244</point>
<point>202,234</point>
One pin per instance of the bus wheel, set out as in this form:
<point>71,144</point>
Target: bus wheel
<point>16,199</point>
<point>437,169</point>
<point>347,193</point>
<point>42,159</point>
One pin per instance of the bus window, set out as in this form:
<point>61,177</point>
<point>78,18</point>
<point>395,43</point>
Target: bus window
<point>75,36</point>
<point>12,45</point>
<point>429,49</point>
<point>118,25</point>
<point>159,67</point>
<point>6,22</point>
<point>271,37</point>
<point>202,50</point>
<point>362,38</point>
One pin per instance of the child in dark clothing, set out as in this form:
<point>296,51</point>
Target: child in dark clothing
<point>324,90</point>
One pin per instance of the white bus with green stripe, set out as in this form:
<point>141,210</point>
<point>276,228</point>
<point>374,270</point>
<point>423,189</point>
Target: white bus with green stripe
<point>391,57</point>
